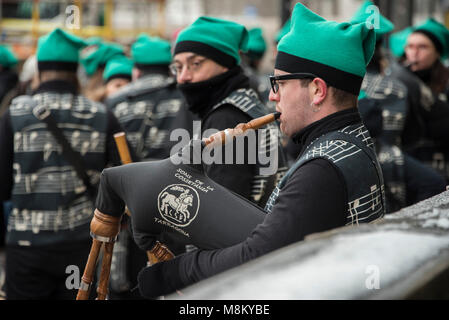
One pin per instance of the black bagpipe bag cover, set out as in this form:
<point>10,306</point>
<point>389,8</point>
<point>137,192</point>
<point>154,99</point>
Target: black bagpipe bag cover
<point>169,197</point>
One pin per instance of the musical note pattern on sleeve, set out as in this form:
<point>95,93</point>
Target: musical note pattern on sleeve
<point>78,213</point>
<point>147,111</point>
<point>351,150</point>
<point>48,194</point>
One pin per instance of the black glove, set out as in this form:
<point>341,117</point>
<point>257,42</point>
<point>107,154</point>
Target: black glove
<point>159,279</point>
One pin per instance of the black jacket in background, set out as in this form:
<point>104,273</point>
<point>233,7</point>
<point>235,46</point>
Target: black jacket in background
<point>7,139</point>
<point>235,177</point>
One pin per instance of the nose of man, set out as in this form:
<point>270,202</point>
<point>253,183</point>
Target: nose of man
<point>184,76</point>
<point>273,96</point>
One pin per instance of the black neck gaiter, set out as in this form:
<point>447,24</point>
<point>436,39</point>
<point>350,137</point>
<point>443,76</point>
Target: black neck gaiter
<point>425,75</point>
<point>202,96</point>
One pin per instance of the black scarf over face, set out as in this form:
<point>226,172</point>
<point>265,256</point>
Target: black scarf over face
<point>202,96</point>
<point>425,75</point>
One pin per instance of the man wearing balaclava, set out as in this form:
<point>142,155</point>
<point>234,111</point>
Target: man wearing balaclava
<point>427,80</point>
<point>206,63</point>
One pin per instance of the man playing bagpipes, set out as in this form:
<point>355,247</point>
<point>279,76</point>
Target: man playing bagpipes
<point>335,181</point>
<point>426,78</point>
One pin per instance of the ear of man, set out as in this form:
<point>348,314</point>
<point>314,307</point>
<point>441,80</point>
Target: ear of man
<point>320,92</point>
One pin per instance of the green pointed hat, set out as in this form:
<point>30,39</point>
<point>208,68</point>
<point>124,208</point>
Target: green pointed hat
<point>118,68</point>
<point>436,32</point>
<point>98,54</point>
<point>148,50</point>
<point>336,52</point>
<point>284,30</point>
<point>58,50</point>
<point>7,57</point>
<point>256,44</point>
<point>218,39</point>
<point>367,13</point>
<point>398,40</point>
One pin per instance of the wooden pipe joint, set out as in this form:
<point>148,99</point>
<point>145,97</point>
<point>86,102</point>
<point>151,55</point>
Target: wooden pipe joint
<point>159,253</point>
<point>103,227</point>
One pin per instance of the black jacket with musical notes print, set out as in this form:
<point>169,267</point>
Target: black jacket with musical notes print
<point>315,197</point>
<point>49,201</point>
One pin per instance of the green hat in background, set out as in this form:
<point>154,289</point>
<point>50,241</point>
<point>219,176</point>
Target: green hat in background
<point>284,30</point>
<point>336,52</point>
<point>59,50</point>
<point>7,57</point>
<point>148,50</point>
<point>362,95</point>
<point>217,39</point>
<point>98,54</point>
<point>398,40</point>
<point>436,32</point>
<point>367,14</point>
<point>118,68</point>
<point>256,44</point>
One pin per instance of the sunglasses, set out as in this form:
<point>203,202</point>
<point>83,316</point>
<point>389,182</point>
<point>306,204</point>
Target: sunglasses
<point>290,76</point>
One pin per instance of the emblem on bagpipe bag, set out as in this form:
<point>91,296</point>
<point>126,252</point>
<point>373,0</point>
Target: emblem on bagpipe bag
<point>178,204</point>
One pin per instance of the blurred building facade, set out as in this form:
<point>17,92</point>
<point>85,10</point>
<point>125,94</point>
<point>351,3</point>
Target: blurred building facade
<point>22,22</point>
<point>270,15</point>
